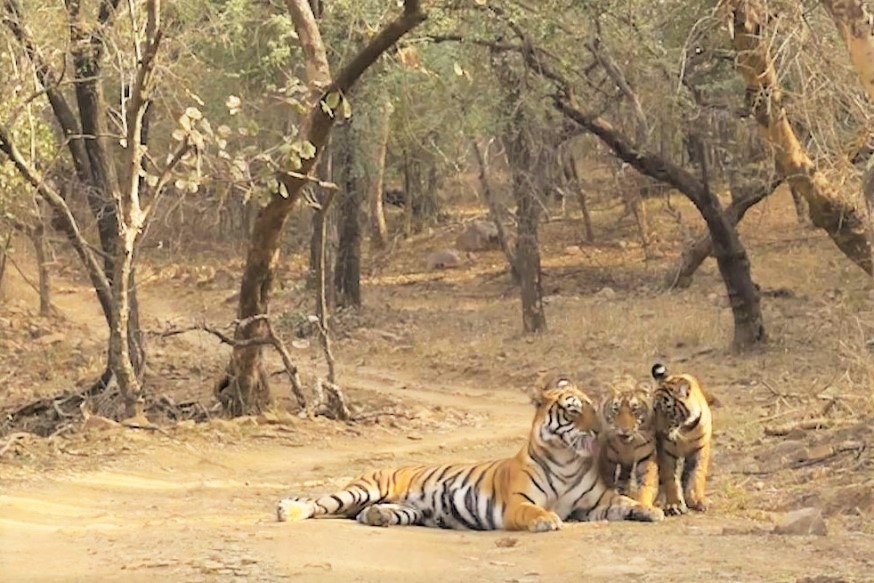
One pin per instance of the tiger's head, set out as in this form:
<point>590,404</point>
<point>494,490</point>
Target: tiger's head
<point>678,401</point>
<point>626,411</point>
<point>566,418</point>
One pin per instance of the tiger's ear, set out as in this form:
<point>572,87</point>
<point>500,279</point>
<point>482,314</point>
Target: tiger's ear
<point>538,392</point>
<point>659,371</point>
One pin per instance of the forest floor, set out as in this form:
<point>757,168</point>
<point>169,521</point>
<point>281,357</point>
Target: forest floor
<point>436,367</point>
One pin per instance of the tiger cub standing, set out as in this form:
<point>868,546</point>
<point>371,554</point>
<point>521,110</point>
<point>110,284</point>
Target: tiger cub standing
<point>628,443</point>
<point>684,429</point>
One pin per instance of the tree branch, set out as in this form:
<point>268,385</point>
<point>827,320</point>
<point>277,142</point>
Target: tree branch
<point>62,210</point>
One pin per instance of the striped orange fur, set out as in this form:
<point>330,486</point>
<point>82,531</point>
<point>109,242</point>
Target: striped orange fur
<point>553,477</point>
<point>628,452</point>
<point>684,431</point>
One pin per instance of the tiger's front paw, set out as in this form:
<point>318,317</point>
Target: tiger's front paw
<point>545,523</point>
<point>676,508</point>
<point>641,513</point>
<point>292,510</point>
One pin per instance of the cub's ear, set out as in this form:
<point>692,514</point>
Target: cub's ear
<point>683,387</point>
<point>659,371</point>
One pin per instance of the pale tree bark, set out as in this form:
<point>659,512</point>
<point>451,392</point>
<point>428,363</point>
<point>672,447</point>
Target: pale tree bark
<point>494,211</point>
<point>375,187</point>
<point>244,389</point>
<point>829,210</point>
<point>115,201</point>
<point>855,22</point>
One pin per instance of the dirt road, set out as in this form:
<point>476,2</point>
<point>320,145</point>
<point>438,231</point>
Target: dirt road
<point>198,507</point>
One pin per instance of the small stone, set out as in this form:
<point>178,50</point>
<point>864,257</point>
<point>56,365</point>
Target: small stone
<point>572,250</point>
<point>806,521</point>
<point>606,293</point>
<point>820,452</point>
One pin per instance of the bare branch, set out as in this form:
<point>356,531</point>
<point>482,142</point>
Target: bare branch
<point>59,206</point>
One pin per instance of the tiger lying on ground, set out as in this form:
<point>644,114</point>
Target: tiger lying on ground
<point>553,477</point>
<point>684,430</point>
<point>628,443</point>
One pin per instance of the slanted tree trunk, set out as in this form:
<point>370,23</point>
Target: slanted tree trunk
<point>855,22</point>
<point>347,275</point>
<point>731,257</point>
<point>244,389</point>
<point>494,211</point>
<point>382,126</point>
<point>829,210</point>
<point>743,199</point>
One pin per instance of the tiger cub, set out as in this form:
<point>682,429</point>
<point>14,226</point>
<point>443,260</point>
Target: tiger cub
<point>684,429</point>
<point>628,443</point>
<point>553,477</point>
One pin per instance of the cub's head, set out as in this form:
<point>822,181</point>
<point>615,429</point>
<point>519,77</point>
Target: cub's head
<point>626,411</point>
<point>566,418</point>
<point>678,399</point>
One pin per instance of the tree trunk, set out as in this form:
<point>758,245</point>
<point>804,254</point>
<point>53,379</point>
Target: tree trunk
<point>244,389</point>
<point>494,212</point>
<point>528,218</point>
<point>4,254</point>
<point>410,184</point>
<point>731,257</point>
<point>702,248</point>
<point>855,22</point>
<point>347,276</point>
<point>573,178</point>
<point>829,211</point>
<point>37,237</point>
<point>382,126</point>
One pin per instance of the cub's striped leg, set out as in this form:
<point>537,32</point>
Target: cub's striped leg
<point>613,506</point>
<point>345,503</point>
<point>390,514</point>
<point>695,479</point>
<point>647,473</point>
<point>670,483</point>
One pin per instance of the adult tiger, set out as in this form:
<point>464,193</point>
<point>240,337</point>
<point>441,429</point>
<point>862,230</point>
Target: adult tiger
<point>553,477</point>
<point>628,442</point>
<point>684,430</point>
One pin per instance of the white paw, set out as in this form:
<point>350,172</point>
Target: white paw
<point>546,523</point>
<point>292,510</point>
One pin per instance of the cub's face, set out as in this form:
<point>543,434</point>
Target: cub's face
<point>566,418</point>
<point>626,413</point>
<point>677,401</point>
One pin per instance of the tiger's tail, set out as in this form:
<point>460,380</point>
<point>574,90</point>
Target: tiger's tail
<point>347,503</point>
